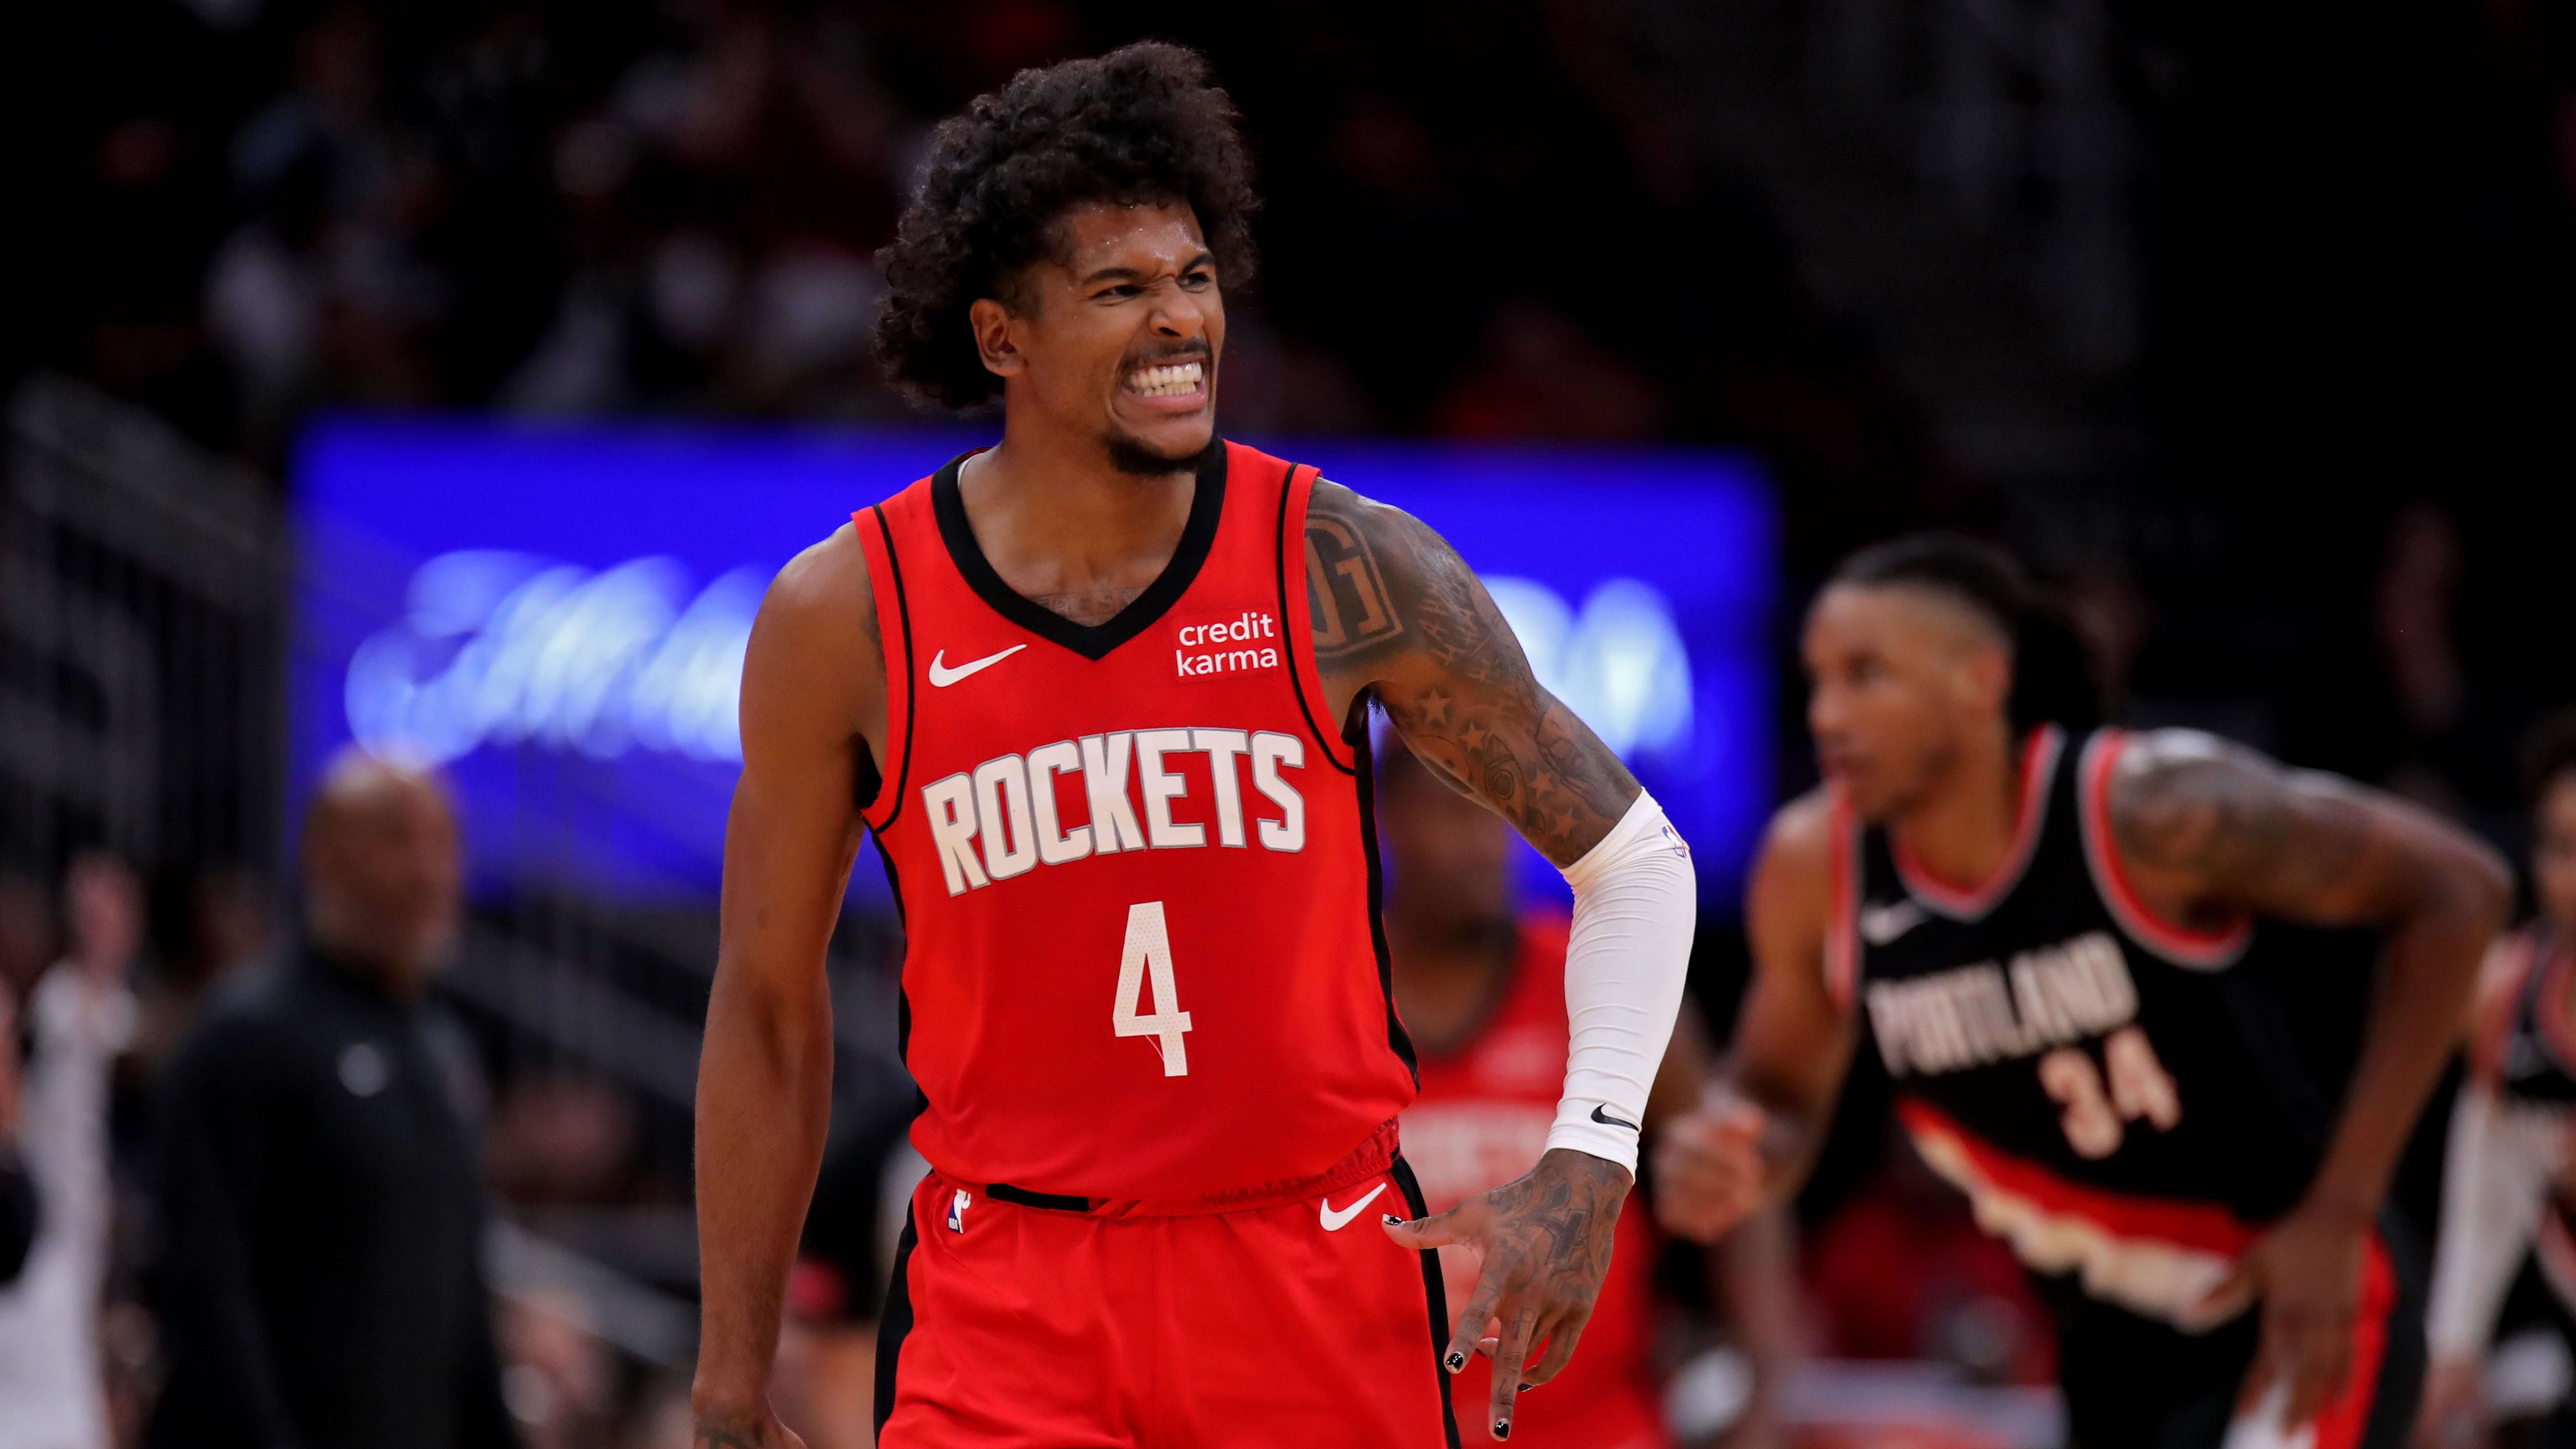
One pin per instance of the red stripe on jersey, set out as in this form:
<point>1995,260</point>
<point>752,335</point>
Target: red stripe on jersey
<point>2038,773</point>
<point>2203,1227</point>
<point>1137,887</point>
<point>2200,950</point>
<point>1842,898</point>
<point>2345,1420</point>
<point>2500,995</point>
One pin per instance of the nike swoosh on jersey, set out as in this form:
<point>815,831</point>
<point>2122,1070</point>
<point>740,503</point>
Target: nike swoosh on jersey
<point>1334,1221</point>
<point>1880,925</point>
<point>1606,1120</point>
<point>941,676</point>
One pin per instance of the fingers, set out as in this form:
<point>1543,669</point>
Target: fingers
<point>2304,1356</point>
<point>1461,1224</point>
<point>1561,1339</point>
<point>2324,1358</point>
<point>1509,1360</point>
<point>1479,1312</point>
<point>1708,1171</point>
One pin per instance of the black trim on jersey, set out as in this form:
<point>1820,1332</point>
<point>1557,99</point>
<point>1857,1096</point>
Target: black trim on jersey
<point>1435,1292</point>
<point>1091,641</point>
<point>902,998</point>
<point>1366,774</point>
<point>895,1324</point>
<point>911,691</point>
<point>1279,561</point>
<point>1051,1201</point>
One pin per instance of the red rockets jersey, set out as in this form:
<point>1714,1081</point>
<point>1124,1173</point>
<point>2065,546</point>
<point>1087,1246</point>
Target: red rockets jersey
<point>1482,1120</point>
<point>1137,880</point>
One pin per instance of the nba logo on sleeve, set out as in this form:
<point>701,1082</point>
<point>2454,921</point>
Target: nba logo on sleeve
<point>957,1211</point>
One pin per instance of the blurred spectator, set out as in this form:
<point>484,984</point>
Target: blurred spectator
<point>559,1383</point>
<point>82,1015</point>
<point>17,1192</point>
<point>562,1139</point>
<point>322,1281</point>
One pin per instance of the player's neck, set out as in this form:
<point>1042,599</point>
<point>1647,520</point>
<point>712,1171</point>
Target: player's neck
<point>1053,516</point>
<point>1962,829</point>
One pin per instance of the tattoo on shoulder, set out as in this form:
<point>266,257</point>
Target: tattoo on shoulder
<point>1394,605</point>
<point>1345,592</point>
<point>2235,820</point>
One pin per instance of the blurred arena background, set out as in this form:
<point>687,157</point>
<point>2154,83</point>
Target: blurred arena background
<point>457,373</point>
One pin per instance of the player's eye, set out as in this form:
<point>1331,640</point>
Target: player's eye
<point>1198,280</point>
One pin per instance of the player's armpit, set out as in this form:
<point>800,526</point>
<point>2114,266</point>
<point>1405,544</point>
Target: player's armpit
<point>1399,615</point>
<point>2205,827</point>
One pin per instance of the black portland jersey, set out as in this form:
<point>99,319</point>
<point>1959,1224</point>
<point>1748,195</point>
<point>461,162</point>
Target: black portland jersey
<point>2526,1046</point>
<point>2107,1088</point>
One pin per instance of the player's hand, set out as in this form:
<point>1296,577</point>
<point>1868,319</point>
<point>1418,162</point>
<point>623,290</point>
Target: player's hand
<point>2306,1270</point>
<point>1543,1245</point>
<point>2454,1415</point>
<point>1708,1168</point>
<point>756,1428</point>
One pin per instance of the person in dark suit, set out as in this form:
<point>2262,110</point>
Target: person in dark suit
<point>321,1281</point>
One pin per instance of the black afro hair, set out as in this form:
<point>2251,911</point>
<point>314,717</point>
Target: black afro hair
<point>1144,124</point>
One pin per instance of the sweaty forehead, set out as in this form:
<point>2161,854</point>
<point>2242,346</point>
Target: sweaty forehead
<point>1901,615</point>
<point>1107,233</point>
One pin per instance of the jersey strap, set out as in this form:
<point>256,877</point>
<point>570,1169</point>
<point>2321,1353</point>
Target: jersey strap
<point>2181,945</point>
<point>1843,871</point>
<point>894,634</point>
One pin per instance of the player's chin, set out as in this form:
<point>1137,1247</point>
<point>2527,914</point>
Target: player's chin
<point>1161,443</point>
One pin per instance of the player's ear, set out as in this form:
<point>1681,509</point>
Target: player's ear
<point>1986,673</point>
<point>996,337</point>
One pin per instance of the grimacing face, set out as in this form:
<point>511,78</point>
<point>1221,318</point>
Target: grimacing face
<point>1117,334</point>
<point>2553,850</point>
<point>1898,676</point>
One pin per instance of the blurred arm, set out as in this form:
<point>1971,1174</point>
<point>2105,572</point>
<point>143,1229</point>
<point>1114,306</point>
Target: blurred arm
<point>2495,1184</point>
<point>812,688</point>
<point>2207,828</point>
<point>1793,1042</point>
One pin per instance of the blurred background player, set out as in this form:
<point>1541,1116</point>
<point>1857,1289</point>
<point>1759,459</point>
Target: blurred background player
<point>1481,983</point>
<point>2056,932</point>
<point>82,1015</point>
<point>2506,1178</point>
<point>322,1277</point>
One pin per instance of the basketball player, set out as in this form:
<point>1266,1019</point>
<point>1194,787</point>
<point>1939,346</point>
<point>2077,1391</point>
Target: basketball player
<point>2058,937</point>
<point>1099,693</point>
<point>2507,1178</point>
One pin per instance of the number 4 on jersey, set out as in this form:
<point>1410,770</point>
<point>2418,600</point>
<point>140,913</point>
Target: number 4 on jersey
<point>1148,957</point>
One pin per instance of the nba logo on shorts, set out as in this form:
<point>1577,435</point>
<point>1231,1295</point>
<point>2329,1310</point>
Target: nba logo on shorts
<point>957,1211</point>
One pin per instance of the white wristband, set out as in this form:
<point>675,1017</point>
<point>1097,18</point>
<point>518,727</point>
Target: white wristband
<point>1635,903</point>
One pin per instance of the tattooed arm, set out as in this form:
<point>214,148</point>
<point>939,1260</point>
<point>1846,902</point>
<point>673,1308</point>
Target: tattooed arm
<point>2209,833</point>
<point>1400,619</point>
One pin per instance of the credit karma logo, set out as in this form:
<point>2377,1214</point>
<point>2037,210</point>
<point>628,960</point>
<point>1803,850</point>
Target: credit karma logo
<point>509,649</point>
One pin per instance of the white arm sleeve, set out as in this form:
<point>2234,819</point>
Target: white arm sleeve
<point>2494,1185</point>
<point>1635,902</point>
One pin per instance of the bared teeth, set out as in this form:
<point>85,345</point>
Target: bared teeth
<point>1172,380</point>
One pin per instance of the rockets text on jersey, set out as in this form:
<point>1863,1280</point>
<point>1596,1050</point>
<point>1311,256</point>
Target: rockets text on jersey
<point>1136,829</point>
<point>2110,1089</point>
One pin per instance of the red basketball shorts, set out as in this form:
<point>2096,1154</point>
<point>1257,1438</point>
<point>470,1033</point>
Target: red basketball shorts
<point>1018,1321</point>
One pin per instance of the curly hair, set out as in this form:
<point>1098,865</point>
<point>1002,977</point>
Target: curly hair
<point>1144,124</point>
